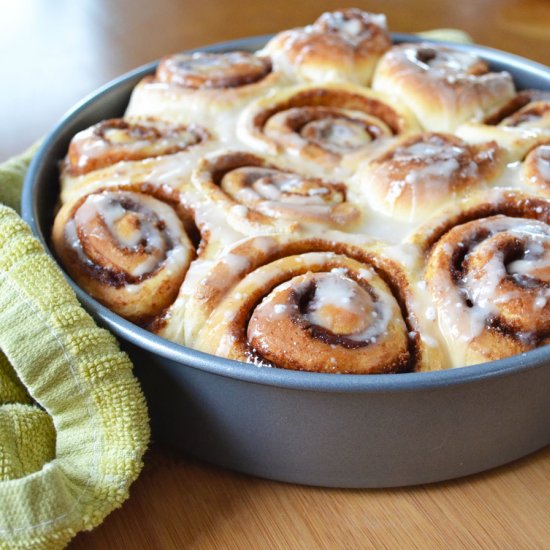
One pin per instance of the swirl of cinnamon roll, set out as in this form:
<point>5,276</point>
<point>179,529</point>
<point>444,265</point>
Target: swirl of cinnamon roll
<point>326,125</point>
<point>518,126</point>
<point>536,169</point>
<point>488,273</point>
<point>213,70</point>
<point>421,172</point>
<point>441,86</point>
<point>115,140</point>
<point>340,45</point>
<point>203,88</point>
<point>257,195</point>
<point>308,304</point>
<point>127,247</point>
<point>527,109</point>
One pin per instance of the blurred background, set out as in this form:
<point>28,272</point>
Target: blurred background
<point>55,53</point>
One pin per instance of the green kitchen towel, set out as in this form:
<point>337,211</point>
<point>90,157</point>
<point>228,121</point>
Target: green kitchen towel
<point>73,420</point>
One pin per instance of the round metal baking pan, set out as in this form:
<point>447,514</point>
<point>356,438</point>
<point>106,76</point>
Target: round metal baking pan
<point>319,429</point>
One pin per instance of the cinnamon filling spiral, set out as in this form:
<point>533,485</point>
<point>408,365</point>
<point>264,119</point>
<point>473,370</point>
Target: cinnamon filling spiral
<point>534,115</point>
<point>213,70</point>
<point>323,124</point>
<point>330,321</point>
<point>126,248</point>
<point>332,131</point>
<point>490,279</point>
<point>527,109</point>
<point>444,62</point>
<point>300,305</point>
<point>536,169</point>
<point>115,140</point>
<point>421,172</point>
<point>266,192</point>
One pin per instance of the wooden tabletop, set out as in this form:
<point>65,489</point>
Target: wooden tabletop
<point>54,53</point>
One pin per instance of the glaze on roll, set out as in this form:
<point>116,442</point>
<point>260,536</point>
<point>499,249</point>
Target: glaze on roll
<point>115,140</point>
<point>259,196</point>
<point>271,207</point>
<point>304,304</point>
<point>442,86</point>
<point>340,46</point>
<point>211,70</point>
<point>126,247</point>
<point>487,271</point>
<point>420,173</point>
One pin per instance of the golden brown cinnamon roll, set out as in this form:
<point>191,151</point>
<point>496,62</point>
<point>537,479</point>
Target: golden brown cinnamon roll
<point>127,247</point>
<point>487,271</point>
<point>212,70</point>
<point>204,88</point>
<point>325,127</point>
<point>258,196</point>
<point>536,169</point>
<point>309,304</point>
<point>420,173</point>
<point>117,139</point>
<point>342,45</point>
<point>442,86</point>
<point>118,152</point>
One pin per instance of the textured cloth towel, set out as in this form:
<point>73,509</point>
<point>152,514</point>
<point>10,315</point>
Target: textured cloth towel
<point>73,420</point>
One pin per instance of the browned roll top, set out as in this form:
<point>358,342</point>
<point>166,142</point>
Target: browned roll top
<point>115,140</point>
<point>213,70</point>
<point>341,45</point>
<point>338,35</point>
<point>419,173</point>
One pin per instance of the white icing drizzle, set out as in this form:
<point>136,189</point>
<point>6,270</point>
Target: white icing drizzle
<point>338,292</point>
<point>482,286</point>
<point>145,233</point>
<point>353,29</point>
<point>145,137</point>
<point>236,263</point>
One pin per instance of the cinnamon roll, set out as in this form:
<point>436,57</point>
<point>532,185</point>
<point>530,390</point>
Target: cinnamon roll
<point>118,152</point>
<point>441,86</point>
<point>536,169</point>
<point>324,127</point>
<point>204,88</point>
<point>518,126</point>
<point>128,247</point>
<point>258,196</point>
<point>343,45</point>
<point>421,172</point>
<point>487,271</point>
<point>117,139</point>
<point>309,304</point>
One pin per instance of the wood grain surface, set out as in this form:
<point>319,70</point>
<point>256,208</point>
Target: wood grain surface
<point>54,53</point>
